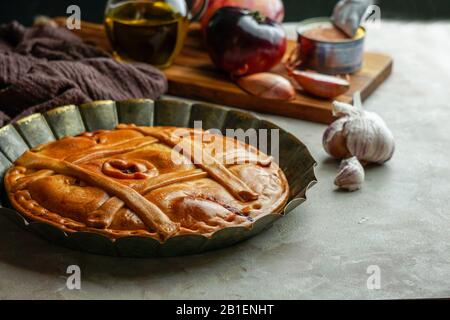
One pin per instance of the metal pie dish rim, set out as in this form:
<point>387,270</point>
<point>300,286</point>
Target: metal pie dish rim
<point>243,232</point>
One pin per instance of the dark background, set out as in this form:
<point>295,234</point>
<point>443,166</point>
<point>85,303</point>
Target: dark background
<point>296,10</point>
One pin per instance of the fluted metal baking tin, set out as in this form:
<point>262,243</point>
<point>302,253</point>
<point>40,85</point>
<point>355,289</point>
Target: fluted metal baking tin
<point>294,159</point>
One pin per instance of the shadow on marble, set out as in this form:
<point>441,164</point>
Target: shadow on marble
<point>330,164</point>
<point>24,250</point>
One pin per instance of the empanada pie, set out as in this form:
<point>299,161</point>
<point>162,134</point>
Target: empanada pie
<point>148,181</point>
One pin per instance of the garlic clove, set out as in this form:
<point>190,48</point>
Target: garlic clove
<point>320,85</point>
<point>334,140</point>
<point>267,85</point>
<point>351,175</point>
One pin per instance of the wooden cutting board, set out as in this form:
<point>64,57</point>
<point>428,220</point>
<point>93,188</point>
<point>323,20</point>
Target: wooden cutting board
<point>194,76</point>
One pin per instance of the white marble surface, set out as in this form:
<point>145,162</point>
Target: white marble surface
<point>399,221</point>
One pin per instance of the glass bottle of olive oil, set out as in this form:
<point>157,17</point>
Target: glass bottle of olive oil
<point>150,31</point>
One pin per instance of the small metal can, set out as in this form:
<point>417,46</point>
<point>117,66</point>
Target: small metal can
<point>330,57</point>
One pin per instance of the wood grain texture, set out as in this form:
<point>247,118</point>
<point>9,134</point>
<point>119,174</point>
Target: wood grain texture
<point>194,76</point>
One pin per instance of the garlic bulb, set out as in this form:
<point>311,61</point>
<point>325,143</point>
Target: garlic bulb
<point>358,133</point>
<point>360,137</point>
<point>351,174</point>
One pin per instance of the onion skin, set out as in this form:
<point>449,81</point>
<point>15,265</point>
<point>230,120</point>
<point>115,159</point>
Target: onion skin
<point>320,85</point>
<point>268,86</point>
<point>273,9</point>
<point>242,42</point>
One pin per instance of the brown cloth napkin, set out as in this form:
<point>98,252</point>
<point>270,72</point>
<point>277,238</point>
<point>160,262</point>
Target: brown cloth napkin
<point>46,66</point>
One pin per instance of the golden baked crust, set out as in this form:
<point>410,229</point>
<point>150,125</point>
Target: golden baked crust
<point>148,181</point>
